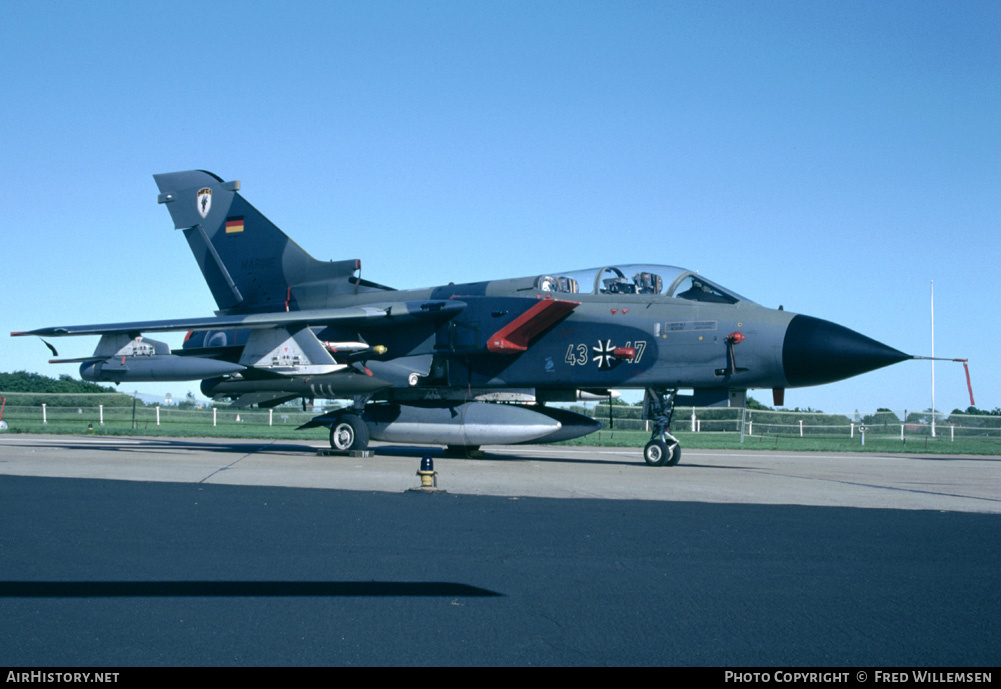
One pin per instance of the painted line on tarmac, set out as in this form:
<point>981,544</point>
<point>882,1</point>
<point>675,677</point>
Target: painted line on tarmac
<point>48,440</point>
<point>778,455</point>
<point>237,461</point>
<point>630,451</point>
<point>874,486</point>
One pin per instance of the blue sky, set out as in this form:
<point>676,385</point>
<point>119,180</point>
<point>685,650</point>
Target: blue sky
<point>832,157</point>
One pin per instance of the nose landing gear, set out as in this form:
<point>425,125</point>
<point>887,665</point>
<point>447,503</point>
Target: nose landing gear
<point>663,448</point>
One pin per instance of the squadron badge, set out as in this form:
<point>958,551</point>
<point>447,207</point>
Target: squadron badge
<point>204,201</point>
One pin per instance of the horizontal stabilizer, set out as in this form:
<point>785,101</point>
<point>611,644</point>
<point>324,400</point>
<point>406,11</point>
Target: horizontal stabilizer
<point>77,360</point>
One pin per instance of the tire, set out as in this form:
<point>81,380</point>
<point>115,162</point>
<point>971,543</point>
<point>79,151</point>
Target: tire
<point>657,453</point>
<point>349,433</point>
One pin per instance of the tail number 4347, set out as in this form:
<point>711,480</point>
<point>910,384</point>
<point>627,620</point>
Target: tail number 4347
<point>581,354</point>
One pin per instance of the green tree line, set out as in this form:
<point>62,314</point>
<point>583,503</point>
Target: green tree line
<point>33,389</point>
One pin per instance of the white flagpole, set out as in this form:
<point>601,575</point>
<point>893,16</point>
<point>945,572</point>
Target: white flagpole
<point>933,360</point>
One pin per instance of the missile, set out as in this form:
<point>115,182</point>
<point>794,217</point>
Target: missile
<point>346,347</point>
<point>340,384</point>
<point>597,396</point>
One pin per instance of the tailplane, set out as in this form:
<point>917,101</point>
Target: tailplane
<point>249,264</point>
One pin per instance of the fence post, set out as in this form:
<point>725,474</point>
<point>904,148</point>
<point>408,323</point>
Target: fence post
<point>213,415</point>
<point>801,428</point>
<point>852,435</point>
<point>44,420</point>
<point>271,415</point>
<point>693,419</point>
<point>100,414</point>
<point>158,415</point>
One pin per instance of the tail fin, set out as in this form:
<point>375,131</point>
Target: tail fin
<point>249,264</point>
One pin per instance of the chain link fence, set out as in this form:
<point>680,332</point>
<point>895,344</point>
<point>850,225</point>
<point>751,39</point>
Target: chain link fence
<point>807,424</point>
<point>119,413</point>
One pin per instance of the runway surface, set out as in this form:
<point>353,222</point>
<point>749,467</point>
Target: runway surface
<point>932,482</point>
<point>209,552</point>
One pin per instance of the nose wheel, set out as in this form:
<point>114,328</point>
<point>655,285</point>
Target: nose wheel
<point>659,453</point>
<point>663,450</point>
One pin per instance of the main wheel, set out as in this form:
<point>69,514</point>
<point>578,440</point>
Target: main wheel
<point>349,433</point>
<point>657,453</point>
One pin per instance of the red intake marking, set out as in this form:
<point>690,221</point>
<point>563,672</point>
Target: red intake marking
<point>518,334</point>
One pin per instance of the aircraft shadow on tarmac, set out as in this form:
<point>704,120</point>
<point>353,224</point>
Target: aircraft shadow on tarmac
<point>386,450</point>
<point>256,589</point>
<point>438,452</point>
<point>132,445</point>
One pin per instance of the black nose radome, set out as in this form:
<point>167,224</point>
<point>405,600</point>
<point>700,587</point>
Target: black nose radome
<point>816,351</point>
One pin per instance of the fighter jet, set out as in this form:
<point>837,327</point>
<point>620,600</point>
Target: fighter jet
<point>458,365</point>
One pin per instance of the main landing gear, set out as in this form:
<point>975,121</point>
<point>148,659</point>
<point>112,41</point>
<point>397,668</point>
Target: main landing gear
<point>663,448</point>
<point>349,433</point>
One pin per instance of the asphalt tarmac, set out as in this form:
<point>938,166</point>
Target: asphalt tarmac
<point>135,551</point>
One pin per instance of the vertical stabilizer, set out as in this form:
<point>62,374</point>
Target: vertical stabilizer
<point>249,264</point>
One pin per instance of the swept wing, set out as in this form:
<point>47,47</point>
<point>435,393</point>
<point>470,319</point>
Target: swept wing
<point>388,312</point>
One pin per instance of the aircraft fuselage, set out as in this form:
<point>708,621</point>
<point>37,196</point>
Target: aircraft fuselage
<point>430,364</point>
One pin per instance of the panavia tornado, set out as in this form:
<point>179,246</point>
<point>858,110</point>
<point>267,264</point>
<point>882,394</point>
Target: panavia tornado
<point>458,365</point>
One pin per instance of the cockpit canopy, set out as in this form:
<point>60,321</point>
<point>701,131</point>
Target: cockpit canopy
<point>666,281</point>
